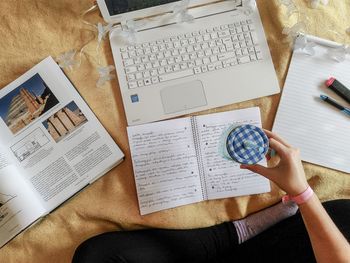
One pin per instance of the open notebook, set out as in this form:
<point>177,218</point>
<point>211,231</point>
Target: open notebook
<point>177,162</point>
<point>320,131</point>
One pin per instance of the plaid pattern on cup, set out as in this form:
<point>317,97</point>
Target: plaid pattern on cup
<point>247,144</point>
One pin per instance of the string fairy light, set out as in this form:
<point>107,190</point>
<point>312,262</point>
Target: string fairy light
<point>68,60</point>
<point>181,13</point>
<point>315,3</point>
<point>294,34</point>
<point>301,43</point>
<point>247,7</point>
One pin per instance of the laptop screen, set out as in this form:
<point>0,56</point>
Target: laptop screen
<point>116,7</point>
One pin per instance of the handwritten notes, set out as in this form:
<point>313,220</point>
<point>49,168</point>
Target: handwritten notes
<point>223,177</point>
<point>173,168</point>
<point>165,165</point>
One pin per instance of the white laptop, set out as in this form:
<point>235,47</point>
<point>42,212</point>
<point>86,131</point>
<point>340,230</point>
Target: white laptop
<point>174,69</point>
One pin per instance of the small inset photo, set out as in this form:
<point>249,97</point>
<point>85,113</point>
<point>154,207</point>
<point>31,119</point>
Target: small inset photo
<point>26,103</point>
<point>64,121</point>
<point>5,198</point>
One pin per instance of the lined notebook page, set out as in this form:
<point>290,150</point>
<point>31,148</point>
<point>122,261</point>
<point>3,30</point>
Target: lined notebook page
<point>223,177</point>
<point>319,130</point>
<point>165,165</point>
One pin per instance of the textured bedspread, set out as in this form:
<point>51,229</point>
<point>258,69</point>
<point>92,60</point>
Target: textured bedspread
<point>31,30</point>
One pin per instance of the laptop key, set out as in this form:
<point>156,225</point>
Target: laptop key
<point>240,37</point>
<point>131,69</point>
<point>252,57</point>
<point>211,67</point>
<point>222,49</point>
<point>125,55</point>
<point>246,35</point>
<point>140,83</point>
<point>128,62</point>
<point>254,38</point>
<point>197,70</point>
<point>236,45</point>
<point>131,77</point>
<point>176,75</point>
<point>154,72</point>
<point>155,80</point>
<point>219,66</point>
<point>132,54</point>
<point>206,60</point>
<point>244,59</point>
<point>245,51</point>
<point>161,70</point>
<point>229,61</point>
<point>132,84</point>
<point>258,53</point>
<point>183,65</point>
<point>213,58</point>
<point>234,63</point>
<point>148,81</point>
<point>190,64</point>
<point>226,56</point>
<point>138,75</point>
<point>168,69</point>
<point>229,48</point>
<point>249,42</point>
<point>199,62</point>
<point>176,67</point>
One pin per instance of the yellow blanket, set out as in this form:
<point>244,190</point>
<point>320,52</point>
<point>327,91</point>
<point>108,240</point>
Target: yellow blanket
<point>31,30</point>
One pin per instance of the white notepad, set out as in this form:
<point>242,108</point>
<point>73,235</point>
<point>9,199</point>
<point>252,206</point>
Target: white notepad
<point>319,130</point>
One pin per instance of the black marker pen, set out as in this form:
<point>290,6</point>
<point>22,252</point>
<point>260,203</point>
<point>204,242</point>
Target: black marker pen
<point>338,88</point>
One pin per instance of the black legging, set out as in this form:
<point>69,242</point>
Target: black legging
<point>286,241</point>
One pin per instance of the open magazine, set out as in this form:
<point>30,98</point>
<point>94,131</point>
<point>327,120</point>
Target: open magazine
<point>51,146</point>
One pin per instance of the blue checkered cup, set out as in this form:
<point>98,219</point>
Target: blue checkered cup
<point>245,144</point>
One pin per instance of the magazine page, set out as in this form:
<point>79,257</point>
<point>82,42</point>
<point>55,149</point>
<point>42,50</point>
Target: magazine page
<point>223,177</point>
<point>19,206</point>
<point>56,141</point>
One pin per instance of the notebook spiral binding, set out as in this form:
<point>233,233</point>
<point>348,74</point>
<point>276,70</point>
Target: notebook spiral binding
<point>197,146</point>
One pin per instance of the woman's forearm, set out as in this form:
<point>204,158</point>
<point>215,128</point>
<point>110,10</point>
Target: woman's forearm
<point>327,241</point>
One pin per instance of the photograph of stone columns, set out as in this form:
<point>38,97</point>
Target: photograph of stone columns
<point>64,121</point>
<point>26,103</point>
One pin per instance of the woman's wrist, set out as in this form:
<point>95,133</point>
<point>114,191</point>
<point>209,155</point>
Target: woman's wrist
<point>300,198</point>
<point>298,189</point>
<point>310,202</point>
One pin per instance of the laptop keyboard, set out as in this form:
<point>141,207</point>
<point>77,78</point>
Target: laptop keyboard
<point>190,54</point>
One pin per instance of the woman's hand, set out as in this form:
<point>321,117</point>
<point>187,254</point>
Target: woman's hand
<point>289,173</point>
<point>327,241</point>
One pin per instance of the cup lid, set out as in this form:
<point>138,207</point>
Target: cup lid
<point>247,144</point>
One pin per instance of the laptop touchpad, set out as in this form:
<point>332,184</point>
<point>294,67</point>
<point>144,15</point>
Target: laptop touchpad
<point>183,96</point>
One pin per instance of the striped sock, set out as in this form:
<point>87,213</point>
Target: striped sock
<point>258,222</point>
